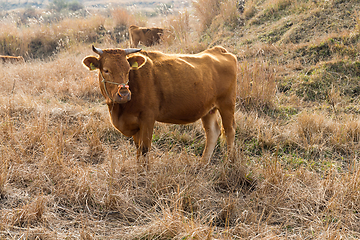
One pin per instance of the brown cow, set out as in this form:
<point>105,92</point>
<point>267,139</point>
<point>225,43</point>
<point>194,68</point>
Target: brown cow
<point>11,59</point>
<point>147,36</point>
<point>169,88</point>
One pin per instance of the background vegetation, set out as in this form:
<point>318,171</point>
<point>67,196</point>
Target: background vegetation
<point>65,173</point>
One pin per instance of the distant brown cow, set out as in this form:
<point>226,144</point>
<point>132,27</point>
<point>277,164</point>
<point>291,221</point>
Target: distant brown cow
<point>145,36</point>
<point>169,88</point>
<point>11,59</point>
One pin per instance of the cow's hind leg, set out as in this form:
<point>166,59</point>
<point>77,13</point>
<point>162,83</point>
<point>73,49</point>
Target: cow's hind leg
<point>212,133</point>
<point>228,122</point>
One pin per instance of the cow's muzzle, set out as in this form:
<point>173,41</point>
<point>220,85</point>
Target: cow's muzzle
<point>123,94</point>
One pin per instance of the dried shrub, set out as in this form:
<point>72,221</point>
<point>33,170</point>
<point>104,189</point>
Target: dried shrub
<point>256,84</point>
<point>40,41</point>
<point>177,30</point>
<point>179,37</point>
<point>312,129</point>
<point>229,13</point>
<point>121,17</point>
<point>206,11</point>
<point>249,9</point>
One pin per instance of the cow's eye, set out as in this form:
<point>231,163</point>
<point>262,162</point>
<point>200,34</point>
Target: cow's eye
<point>105,70</point>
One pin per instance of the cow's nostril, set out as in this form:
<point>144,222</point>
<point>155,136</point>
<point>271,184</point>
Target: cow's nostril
<point>123,89</point>
<point>123,95</point>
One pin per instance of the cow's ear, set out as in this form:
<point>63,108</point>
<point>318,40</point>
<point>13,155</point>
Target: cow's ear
<point>91,62</point>
<point>136,62</point>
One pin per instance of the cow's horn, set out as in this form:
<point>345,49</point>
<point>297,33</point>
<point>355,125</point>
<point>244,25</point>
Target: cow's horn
<point>131,50</point>
<point>97,50</point>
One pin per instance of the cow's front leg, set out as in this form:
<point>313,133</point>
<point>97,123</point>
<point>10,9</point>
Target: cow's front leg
<point>142,141</point>
<point>134,42</point>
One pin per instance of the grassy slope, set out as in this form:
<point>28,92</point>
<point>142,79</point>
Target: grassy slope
<point>66,173</point>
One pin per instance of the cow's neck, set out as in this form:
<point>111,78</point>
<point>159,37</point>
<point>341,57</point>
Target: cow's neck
<point>123,120</point>
<point>116,109</point>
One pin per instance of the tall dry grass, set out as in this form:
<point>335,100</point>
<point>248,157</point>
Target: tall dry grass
<point>256,84</point>
<point>39,40</point>
<point>206,11</point>
<point>249,9</point>
<point>229,13</point>
<point>180,36</point>
<point>65,173</point>
<point>122,17</point>
<point>216,14</point>
<point>63,164</point>
<point>177,29</point>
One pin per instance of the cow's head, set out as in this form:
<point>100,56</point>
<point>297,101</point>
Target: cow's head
<point>114,66</point>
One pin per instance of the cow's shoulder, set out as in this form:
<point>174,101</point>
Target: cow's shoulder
<point>156,55</point>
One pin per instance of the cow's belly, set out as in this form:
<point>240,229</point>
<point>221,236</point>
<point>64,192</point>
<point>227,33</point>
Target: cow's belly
<point>178,121</point>
<point>184,115</point>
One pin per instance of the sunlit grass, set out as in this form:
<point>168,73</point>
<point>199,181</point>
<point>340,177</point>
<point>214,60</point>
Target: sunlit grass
<point>65,172</point>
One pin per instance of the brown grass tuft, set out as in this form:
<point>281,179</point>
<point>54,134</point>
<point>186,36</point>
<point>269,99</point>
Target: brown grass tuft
<point>206,11</point>
<point>177,30</point>
<point>65,173</point>
<point>249,9</point>
<point>29,214</point>
<point>121,17</point>
<point>256,84</point>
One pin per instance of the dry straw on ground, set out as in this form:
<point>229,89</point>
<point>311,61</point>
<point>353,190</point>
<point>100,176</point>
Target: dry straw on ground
<point>65,173</point>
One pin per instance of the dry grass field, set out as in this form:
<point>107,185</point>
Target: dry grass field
<point>66,173</point>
